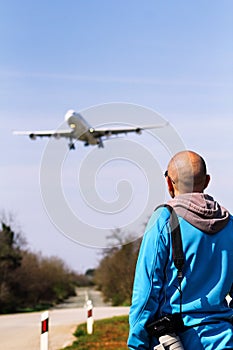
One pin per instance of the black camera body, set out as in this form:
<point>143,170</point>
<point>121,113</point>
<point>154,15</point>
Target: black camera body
<point>166,325</point>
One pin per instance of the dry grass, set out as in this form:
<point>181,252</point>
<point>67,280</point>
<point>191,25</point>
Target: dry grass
<point>109,334</point>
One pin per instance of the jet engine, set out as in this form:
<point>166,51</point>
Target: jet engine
<point>138,131</point>
<point>32,136</point>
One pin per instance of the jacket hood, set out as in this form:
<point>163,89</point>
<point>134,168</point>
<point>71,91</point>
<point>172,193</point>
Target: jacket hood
<point>201,211</point>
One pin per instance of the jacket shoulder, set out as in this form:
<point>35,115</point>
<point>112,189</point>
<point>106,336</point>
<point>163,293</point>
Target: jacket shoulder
<point>159,218</point>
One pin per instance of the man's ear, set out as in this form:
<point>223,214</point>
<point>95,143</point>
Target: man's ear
<point>207,180</point>
<point>170,187</point>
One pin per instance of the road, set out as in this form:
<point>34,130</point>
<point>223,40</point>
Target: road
<point>22,331</point>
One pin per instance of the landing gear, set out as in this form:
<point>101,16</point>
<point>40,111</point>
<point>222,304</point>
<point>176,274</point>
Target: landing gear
<point>71,145</point>
<point>100,143</point>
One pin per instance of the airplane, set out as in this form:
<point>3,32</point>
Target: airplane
<point>81,130</point>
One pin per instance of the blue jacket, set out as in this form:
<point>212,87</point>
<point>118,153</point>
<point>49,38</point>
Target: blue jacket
<point>208,278</point>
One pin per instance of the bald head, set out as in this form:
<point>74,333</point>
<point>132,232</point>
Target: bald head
<point>187,173</point>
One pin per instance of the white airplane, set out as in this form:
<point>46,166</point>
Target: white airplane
<point>81,130</point>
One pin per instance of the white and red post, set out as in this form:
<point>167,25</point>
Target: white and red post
<point>44,338</point>
<point>90,320</point>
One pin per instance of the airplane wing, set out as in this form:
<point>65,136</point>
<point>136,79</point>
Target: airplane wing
<point>46,133</point>
<point>99,132</point>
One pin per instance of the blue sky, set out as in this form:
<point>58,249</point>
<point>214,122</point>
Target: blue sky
<point>174,57</point>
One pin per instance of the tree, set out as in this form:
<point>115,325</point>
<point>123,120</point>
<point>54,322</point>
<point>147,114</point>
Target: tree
<point>115,273</point>
<point>28,280</point>
<point>10,260</point>
<point>42,281</point>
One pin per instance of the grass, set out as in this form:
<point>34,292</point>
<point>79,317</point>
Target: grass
<point>108,334</point>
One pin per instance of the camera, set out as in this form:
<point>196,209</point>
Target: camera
<point>166,325</point>
<point>164,330</point>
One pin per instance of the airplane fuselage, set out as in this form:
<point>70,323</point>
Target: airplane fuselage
<point>81,129</point>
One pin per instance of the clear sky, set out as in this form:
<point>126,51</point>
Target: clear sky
<point>173,57</point>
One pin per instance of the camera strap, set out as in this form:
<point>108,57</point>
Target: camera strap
<point>177,246</point>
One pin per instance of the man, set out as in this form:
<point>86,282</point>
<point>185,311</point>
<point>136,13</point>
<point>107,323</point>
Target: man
<point>207,237</point>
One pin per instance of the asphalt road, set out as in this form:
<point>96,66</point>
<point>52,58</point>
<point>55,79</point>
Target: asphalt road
<point>22,331</point>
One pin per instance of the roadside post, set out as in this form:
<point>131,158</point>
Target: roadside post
<point>90,320</point>
<point>44,337</point>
